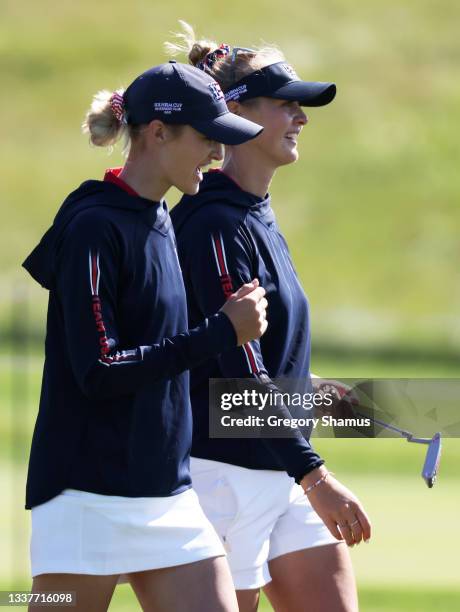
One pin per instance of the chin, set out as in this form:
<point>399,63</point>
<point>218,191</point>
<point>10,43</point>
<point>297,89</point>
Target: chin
<point>287,158</point>
<point>190,189</point>
<point>292,155</point>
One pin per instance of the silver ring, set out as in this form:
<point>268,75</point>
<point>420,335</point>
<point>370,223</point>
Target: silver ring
<point>354,523</point>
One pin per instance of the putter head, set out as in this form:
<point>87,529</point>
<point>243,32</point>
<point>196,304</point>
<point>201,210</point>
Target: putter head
<point>433,456</point>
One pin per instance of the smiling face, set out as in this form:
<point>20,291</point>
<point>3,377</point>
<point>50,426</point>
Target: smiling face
<point>183,154</point>
<point>283,121</point>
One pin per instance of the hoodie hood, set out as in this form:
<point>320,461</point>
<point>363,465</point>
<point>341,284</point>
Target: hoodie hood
<point>41,262</point>
<point>217,187</point>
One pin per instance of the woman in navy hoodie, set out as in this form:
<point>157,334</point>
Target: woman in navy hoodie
<point>108,481</point>
<point>276,536</point>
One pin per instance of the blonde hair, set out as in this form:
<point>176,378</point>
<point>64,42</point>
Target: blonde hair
<point>103,127</point>
<point>225,71</point>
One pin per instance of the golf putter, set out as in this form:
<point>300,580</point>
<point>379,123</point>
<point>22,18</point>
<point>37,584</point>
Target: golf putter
<point>433,453</point>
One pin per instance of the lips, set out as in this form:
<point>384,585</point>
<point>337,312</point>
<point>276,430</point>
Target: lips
<point>292,136</point>
<point>199,169</point>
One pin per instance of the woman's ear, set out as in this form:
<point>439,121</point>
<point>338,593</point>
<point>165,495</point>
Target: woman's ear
<point>158,131</point>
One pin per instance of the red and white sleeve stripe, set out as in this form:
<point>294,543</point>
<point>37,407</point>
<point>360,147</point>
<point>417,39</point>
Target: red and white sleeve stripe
<point>106,356</point>
<point>94,273</point>
<point>218,247</point>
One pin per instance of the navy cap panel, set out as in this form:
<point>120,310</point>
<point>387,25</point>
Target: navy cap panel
<point>158,84</point>
<point>228,129</point>
<point>305,93</point>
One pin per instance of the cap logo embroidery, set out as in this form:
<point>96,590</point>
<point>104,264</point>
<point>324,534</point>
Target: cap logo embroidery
<point>216,91</point>
<point>167,107</point>
<point>234,94</point>
<point>291,72</point>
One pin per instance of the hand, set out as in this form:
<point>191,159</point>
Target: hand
<point>340,510</point>
<point>246,309</point>
<point>344,397</point>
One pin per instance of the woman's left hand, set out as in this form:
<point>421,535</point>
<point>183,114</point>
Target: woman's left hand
<point>339,508</point>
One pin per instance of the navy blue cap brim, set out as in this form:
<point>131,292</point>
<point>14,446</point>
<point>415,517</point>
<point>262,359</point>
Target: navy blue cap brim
<point>228,129</point>
<point>306,93</point>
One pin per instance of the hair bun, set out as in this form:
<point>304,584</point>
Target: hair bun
<point>212,56</point>
<point>198,53</point>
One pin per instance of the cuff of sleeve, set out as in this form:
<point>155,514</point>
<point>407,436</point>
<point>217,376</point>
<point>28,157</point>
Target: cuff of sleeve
<point>315,464</point>
<point>222,334</point>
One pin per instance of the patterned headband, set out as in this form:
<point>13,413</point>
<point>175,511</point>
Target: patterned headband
<point>209,60</point>
<point>117,106</point>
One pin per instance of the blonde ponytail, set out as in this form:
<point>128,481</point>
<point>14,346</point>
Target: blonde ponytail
<point>187,44</point>
<point>101,123</point>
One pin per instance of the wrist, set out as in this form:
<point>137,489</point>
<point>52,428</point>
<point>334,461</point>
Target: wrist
<point>312,477</point>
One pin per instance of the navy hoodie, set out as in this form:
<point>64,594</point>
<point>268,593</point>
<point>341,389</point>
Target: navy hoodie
<point>114,414</point>
<point>226,237</point>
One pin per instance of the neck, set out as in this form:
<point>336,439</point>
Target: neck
<point>252,174</point>
<point>144,178</point>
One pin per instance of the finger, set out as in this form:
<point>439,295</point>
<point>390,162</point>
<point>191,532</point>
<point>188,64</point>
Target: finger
<point>245,289</point>
<point>256,293</point>
<point>357,531</point>
<point>261,309</point>
<point>347,533</point>
<point>259,293</point>
<point>263,303</point>
<point>364,522</point>
<point>264,327</point>
<point>332,526</point>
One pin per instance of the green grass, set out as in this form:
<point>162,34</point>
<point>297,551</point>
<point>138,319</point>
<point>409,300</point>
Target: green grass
<point>370,210</point>
<point>416,599</point>
<point>372,599</point>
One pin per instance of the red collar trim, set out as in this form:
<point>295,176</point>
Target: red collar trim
<point>112,176</point>
<point>225,174</point>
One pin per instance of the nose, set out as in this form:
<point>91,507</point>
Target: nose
<point>301,117</point>
<point>217,151</point>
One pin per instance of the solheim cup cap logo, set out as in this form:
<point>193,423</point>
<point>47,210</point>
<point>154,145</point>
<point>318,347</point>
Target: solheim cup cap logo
<point>182,94</point>
<point>216,91</point>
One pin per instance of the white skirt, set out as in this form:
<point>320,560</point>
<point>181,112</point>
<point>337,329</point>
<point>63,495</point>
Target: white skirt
<point>84,533</point>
